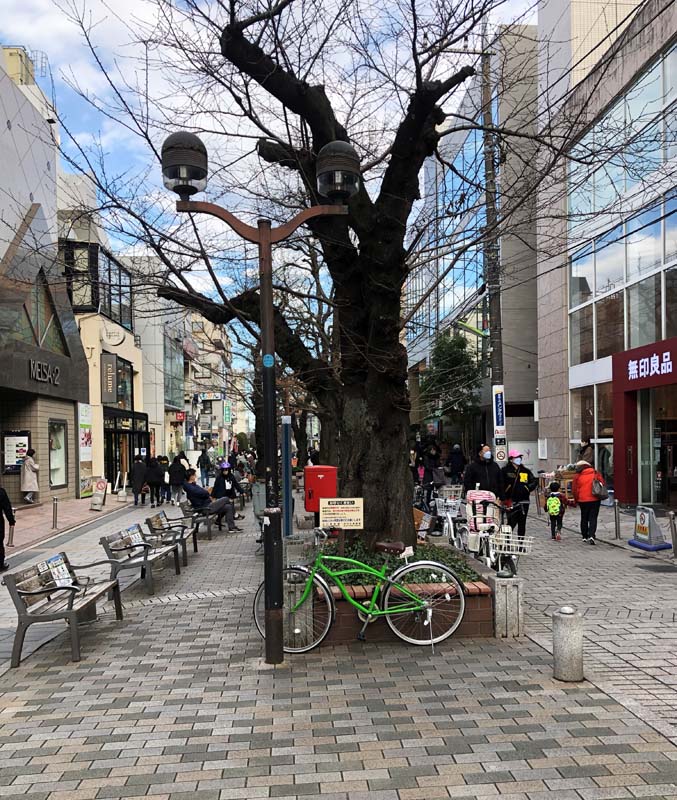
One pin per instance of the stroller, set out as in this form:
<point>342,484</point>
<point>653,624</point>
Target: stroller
<point>489,538</point>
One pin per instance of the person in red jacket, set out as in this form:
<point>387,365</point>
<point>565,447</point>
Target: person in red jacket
<point>587,502</point>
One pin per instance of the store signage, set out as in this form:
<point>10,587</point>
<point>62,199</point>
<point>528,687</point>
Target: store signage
<point>346,513</point>
<point>109,383</point>
<point>209,396</point>
<point>15,444</point>
<point>180,416</point>
<point>85,449</point>
<point>226,414</point>
<point>44,372</point>
<point>645,367</point>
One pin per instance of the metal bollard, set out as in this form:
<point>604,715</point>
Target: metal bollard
<point>617,519</point>
<point>673,533</point>
<point>567,644</point>
<point>55,512</point>
<point>10,537</point>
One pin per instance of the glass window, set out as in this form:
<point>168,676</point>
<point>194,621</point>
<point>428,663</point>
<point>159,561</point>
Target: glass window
<point>645,100</point>
<point>580,324</point>
<point>609,261</point>
<point>644,250</point>
<point>125,299</point>
<point>671,303</point>
<point>644,153</point>
<point>670,75</point>
<point>604,459</point>
<point>605,415</point>
<point>58,454</point>
<point>104,282</point>
<point>644,312</point>
<point>609,325</point>
<point>125,384</point>
<point>114,291</point>
<point>671,228</point>
<point>581,277</point>
<point>583,413</point>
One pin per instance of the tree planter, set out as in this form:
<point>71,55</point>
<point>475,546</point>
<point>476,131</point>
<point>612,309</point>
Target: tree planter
<point>478,620</point>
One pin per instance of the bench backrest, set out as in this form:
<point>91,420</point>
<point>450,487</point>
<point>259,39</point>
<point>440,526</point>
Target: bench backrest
<point>50,573</point>
<point>158,521</point>
<point>115,543</point>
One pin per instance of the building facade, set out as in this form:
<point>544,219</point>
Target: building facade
<point>42,362</point>
<point>452,259</point>
<point>101,291</point>
<point>608,294</point>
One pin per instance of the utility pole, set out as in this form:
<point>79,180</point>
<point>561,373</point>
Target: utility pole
<point>492,264</point>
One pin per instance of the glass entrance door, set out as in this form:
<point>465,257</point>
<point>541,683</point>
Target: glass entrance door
<point>665,414</point>
<point>649,447</point>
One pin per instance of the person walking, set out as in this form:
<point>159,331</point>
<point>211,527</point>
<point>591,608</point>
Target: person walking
<point>139,470</point>
<point>177,475</point>
<point>29,476</point>
<point>484,473</point>
<point>166,490</point>
<point>431,462</point>
<point>555,506</point>
<point>155,478</point>
<point>204,465</point>
<point>455,464</point>
<point>200,499</point>
<point>586,499</point>
<point>6,510</point>
<point>518,484</point>
<point>183,458</point>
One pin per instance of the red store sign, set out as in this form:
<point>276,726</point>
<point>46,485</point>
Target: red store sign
<point>180,416</point>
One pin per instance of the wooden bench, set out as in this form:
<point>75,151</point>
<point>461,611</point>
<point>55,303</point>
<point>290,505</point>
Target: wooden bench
<point>170,531</point>
<point>52,590</point>
<point>130,549</point>
<point>198,516</point>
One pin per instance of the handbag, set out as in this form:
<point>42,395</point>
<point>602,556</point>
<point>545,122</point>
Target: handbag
<point>145,488</point>
<point>439,478</point>
<point>599,489</point>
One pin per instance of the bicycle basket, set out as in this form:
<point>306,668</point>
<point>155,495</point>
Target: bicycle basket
<point>301,548</point>
<point>506,542</point>
<point>450,492</point>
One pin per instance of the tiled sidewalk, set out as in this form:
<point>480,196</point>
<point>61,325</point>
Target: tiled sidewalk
<point>175,702</point>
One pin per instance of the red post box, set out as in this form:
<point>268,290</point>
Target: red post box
<point>320,481</point>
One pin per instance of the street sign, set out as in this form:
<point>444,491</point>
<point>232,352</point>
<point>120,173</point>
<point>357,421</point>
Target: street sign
<point>346,513</point>
<point>648,533</point>
<point>500,434</point>
<point>501,455</point>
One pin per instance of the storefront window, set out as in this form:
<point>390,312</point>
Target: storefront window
<point>605,416</point>
<point>583,413</point>
<point>58,454</point>
<point>644,250</point>
<point>604,461</point>
<point>609,324</point>
<point>644,312</point>
<point>580,324</point>
<point>125,379</point>
<point>609,261</point>
<point>581,277</point>
<point>671,303</point>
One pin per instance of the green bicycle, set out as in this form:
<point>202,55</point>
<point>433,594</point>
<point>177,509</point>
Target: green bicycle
<point>423,601</point>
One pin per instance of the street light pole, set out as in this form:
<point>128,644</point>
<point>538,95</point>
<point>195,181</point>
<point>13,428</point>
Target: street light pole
<point>184,168</point>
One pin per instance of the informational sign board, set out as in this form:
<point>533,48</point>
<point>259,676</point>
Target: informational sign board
<point>227,413</point>
<point>346,513</point>
<point>85,450</point>
<point>109,379</point>
<point>15,445</point>
<point>500,435</point>
<point>209,396</point>
<point>648,533</point>
<point>56,566</point>
<point>99,494</point>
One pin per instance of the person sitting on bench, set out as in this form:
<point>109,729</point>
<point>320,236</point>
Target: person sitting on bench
<point>201,500</point>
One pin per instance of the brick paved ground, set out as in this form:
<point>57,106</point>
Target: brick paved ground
<point>174,702</point>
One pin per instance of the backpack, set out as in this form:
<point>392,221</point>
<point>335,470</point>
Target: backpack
<point>554,505</point>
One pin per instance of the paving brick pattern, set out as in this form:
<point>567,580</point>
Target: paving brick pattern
<point>175,702</point>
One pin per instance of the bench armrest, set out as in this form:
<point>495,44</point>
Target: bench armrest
<point>131,547</point>
<point>95,563</point>
<point>51,590</point>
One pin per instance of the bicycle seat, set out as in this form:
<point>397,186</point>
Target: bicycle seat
<point>396,548</point>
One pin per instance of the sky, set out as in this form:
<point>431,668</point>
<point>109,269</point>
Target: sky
<point>44,26</point>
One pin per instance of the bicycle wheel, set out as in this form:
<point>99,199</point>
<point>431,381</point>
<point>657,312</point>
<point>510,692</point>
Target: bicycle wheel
<point>306,627</point>
<point>442,596</point>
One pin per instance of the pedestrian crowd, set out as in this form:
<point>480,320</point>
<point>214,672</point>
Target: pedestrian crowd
<point>512,484</point>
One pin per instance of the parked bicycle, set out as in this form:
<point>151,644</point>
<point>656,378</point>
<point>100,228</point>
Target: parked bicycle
<point>422,601</point>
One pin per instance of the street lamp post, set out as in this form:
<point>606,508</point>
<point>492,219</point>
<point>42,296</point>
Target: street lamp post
<point>184,170</point>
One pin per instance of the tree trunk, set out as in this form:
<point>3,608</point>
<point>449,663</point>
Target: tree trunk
<point>374,456</point>
<point>299,428</point>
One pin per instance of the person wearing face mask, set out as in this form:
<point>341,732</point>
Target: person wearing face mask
<point>485,472</point>
<point>586,452</point>
<point>519,483</point>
